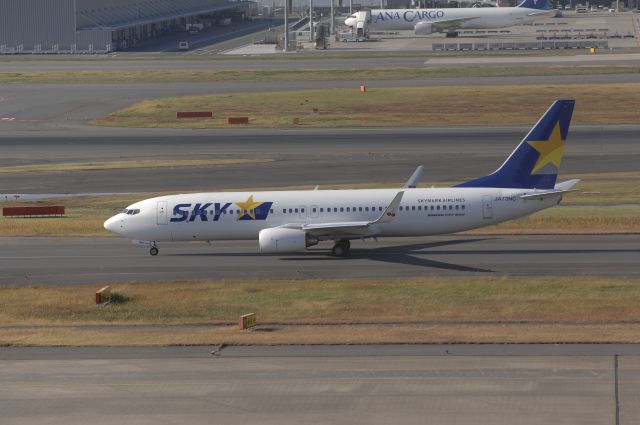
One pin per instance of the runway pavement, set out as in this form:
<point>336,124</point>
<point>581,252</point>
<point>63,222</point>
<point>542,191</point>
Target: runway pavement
<point>528,384</point>
<point>347,60</point>
<point>302,157</point>
<point>50,108</point>
<point>54,261</point>
<point>126,63</point>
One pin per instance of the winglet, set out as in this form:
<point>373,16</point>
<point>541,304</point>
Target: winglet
<point>389,213</point>
<point>415,177</point>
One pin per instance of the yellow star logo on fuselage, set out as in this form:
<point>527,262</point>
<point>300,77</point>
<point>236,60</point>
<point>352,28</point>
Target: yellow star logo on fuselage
<point>248,207</point>
<point>550,150</point>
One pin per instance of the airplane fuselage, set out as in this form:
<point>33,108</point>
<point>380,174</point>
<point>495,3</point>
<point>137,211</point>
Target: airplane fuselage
<point>422,212</point>
<point>470,18</point>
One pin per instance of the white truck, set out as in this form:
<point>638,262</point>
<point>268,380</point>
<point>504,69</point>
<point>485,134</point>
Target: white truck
<point>349,36</point>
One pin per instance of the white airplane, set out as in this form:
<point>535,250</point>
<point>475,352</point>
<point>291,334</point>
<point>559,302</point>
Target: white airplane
<point>428,21</point>
<point>290,221</point>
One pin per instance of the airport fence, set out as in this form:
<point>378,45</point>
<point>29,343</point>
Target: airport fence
<point>535,45</point>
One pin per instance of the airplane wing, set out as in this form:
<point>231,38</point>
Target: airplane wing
<point>540,12</point>
<point>352,228</point>
<point>429,27</point>
<point>559,189</point>
<point>415,177</point>
<point>446,24</point>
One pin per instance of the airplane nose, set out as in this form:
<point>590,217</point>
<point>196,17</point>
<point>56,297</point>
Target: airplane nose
<point>112,224</point>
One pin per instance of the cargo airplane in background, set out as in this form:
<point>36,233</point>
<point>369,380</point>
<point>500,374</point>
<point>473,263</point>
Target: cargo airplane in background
<point>290,221</point>
<point>428,21</point>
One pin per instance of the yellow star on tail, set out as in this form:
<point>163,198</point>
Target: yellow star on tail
<point>550,150</point>
<point>248,208</point>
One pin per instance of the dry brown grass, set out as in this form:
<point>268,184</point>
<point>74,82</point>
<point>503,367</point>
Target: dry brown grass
<point>571,220</point>
<point>439,300</point>
<point>420,106</point>
<point>118,165</point>
<point>285,73</point>
<point>84,216</point>
<point>73,336</point>
<point>419,310</point>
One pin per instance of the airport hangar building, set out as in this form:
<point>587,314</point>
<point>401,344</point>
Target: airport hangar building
<point>85,26</point>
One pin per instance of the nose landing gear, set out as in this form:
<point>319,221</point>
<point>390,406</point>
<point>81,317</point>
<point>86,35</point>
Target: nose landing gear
<point>341,248</point>
<point>154,250</point>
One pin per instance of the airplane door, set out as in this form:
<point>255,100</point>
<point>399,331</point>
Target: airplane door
<point>315,211</point>
<point>487,207</point>
<point>163,217</point>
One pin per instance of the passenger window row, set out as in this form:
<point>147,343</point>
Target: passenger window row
<point>333,209</point>
<point>432,208</point>
<point>336,209</point>
<point>237,212</point>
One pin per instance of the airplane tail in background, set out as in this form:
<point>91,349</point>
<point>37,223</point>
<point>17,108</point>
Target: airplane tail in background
<point>535,4</point>
<point>536,161</point>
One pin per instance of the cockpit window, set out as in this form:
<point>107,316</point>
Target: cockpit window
<point>130,212</point>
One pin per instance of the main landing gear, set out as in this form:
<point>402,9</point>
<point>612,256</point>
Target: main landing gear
<point>154,250</point>
<point>341,248</point>
<point>452,34</point>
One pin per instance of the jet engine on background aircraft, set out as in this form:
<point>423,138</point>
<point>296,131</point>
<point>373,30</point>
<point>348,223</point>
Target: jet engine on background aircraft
<point>280,239</point>
<point>423,28</point>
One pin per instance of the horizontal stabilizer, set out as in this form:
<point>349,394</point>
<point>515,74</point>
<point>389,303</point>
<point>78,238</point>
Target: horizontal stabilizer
<point>567,184</point>
<point>559,189</point>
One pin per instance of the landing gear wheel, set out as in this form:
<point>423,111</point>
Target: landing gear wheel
<point>341,248</point>
<point>153,251</point>
<point>452,34</point>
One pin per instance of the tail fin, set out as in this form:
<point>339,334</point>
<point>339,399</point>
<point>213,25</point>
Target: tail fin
<point>535,162</point>
<point>535,4</point>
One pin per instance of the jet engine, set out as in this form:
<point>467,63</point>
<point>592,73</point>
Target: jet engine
<point>423,28</point>
<point>278,239</point>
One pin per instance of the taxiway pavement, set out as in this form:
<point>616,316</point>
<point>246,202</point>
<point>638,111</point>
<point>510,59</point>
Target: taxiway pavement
<point>301,157</point>
<point>54,261</point>
<point>361,60</point>
<point>527,384</point>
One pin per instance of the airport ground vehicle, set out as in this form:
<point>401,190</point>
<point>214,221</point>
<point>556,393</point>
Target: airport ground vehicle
<point>349,36</point>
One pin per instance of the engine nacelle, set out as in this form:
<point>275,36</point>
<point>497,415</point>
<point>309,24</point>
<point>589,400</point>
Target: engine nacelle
<point>283,240</point>
<point>423,28</point>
